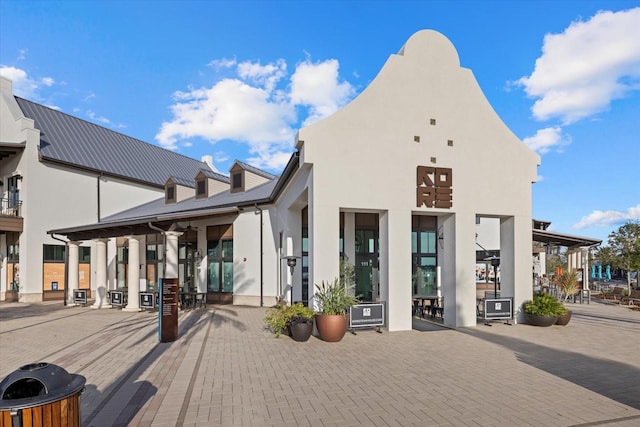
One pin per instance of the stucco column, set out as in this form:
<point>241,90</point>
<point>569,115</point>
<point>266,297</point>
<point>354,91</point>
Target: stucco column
<point>585,268</point>
<point>395,268</point>
<point>457,269</point>
<point>73,270</point>
<point>133,271</point>
<point>201,264</point>
<point>171,254</point>
<point>324,232</point>
<point>515,262</point>
<point>350,237</point>
<point>101,274</point>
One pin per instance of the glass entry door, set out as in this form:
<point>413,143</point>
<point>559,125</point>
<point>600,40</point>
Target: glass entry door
<point>366,265</point>
<point>424,256</point>
<point>220,271</point>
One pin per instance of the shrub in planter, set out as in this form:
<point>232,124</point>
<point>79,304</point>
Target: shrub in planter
<point>301,322</point>
<point>276,319</point>
<point>543,309</point>
<point>290,318</point>
<point>564,318</point>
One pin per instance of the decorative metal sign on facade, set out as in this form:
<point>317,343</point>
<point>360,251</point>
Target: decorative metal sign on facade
<point>434,187</point>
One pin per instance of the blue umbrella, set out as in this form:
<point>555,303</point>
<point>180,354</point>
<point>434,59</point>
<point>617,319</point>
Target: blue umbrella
<point>593,271</point>
<point>600,272</point>
<point>608,273</point>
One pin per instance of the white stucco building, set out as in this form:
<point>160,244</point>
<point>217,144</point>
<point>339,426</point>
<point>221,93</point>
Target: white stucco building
<point>394,183</point>
<point>57,170</point>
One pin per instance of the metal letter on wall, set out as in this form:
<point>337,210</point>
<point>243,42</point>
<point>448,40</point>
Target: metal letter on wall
<point>168,310</point>
<point>434,187</point>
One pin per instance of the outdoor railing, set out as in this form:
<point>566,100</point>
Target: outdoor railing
<point>10,207</point>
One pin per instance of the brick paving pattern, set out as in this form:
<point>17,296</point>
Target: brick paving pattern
<point>225,369</point>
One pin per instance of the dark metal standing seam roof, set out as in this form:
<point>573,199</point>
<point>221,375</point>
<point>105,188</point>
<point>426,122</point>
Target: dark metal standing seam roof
<point>255,170</point>
<point>76,142</point>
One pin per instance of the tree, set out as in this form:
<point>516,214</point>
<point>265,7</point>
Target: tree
<point>555,261</point>
<point>624,249</point>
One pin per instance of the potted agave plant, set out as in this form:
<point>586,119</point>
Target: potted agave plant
<point>333,299</point>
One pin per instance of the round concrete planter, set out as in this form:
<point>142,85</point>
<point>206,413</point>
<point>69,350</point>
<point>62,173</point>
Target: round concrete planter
<point>564,319</point>
<point>301,331</point>
<point>541,320</point>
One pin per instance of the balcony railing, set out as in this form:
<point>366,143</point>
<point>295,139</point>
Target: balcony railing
<point>11,207</point>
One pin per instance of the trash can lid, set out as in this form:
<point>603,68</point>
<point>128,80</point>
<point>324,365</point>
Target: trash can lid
<point>38,384</point>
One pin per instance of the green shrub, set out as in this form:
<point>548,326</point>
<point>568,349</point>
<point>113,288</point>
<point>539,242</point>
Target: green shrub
<point>280,316</point>
<point>544,304</point>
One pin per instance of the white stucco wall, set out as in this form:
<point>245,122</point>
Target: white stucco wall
<point>55,196</point>
<point>365,157</point>
<point>488,232</point>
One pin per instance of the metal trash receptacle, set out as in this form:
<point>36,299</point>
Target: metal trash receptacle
<point>40,394</point>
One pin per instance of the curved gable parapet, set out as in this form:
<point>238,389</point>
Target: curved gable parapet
<point>428,46</point>
<point>422,110</point>
<point>423,81</point>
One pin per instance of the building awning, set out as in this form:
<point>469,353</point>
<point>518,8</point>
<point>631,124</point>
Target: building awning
<point>138,225</point>
<point>558,239</point>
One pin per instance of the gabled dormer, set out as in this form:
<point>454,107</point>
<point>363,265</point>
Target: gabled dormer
<point>209,183</point>
<point>244,177</point>
<point>177,190</point>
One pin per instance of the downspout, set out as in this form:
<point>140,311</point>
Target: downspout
<point>66,266</point>
<point>261,259</point>
<point>98,194</point>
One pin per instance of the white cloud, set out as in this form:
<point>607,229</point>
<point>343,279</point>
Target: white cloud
<point>23,85</point>
<point>318,87</point>
<point>256,107</point>
<point>547,138</point>
<point>586,67</point>
<point>608,218</point>
<point>218,64</point>
<point>231,109</point>
<point>96,118</point>
<point>266,76</point>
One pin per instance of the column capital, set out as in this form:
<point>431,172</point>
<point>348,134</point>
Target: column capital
<point>173,233</point>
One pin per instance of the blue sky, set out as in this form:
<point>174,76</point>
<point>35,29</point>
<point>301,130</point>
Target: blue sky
<point>236,79</point>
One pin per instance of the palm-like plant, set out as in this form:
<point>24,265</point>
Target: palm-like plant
<point>334,298</point>
<point>568,284</point>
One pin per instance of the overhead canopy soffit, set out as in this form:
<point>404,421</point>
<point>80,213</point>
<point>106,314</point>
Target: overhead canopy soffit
<point>558,239</point>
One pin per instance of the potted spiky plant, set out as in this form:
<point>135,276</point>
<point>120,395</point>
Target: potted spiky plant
<point>333,300</point>
<point>568,286</point>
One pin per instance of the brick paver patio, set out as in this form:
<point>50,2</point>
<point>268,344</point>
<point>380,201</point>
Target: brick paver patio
<point>225,369</point>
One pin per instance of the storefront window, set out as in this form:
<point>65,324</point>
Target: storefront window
<point>423,256</point>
